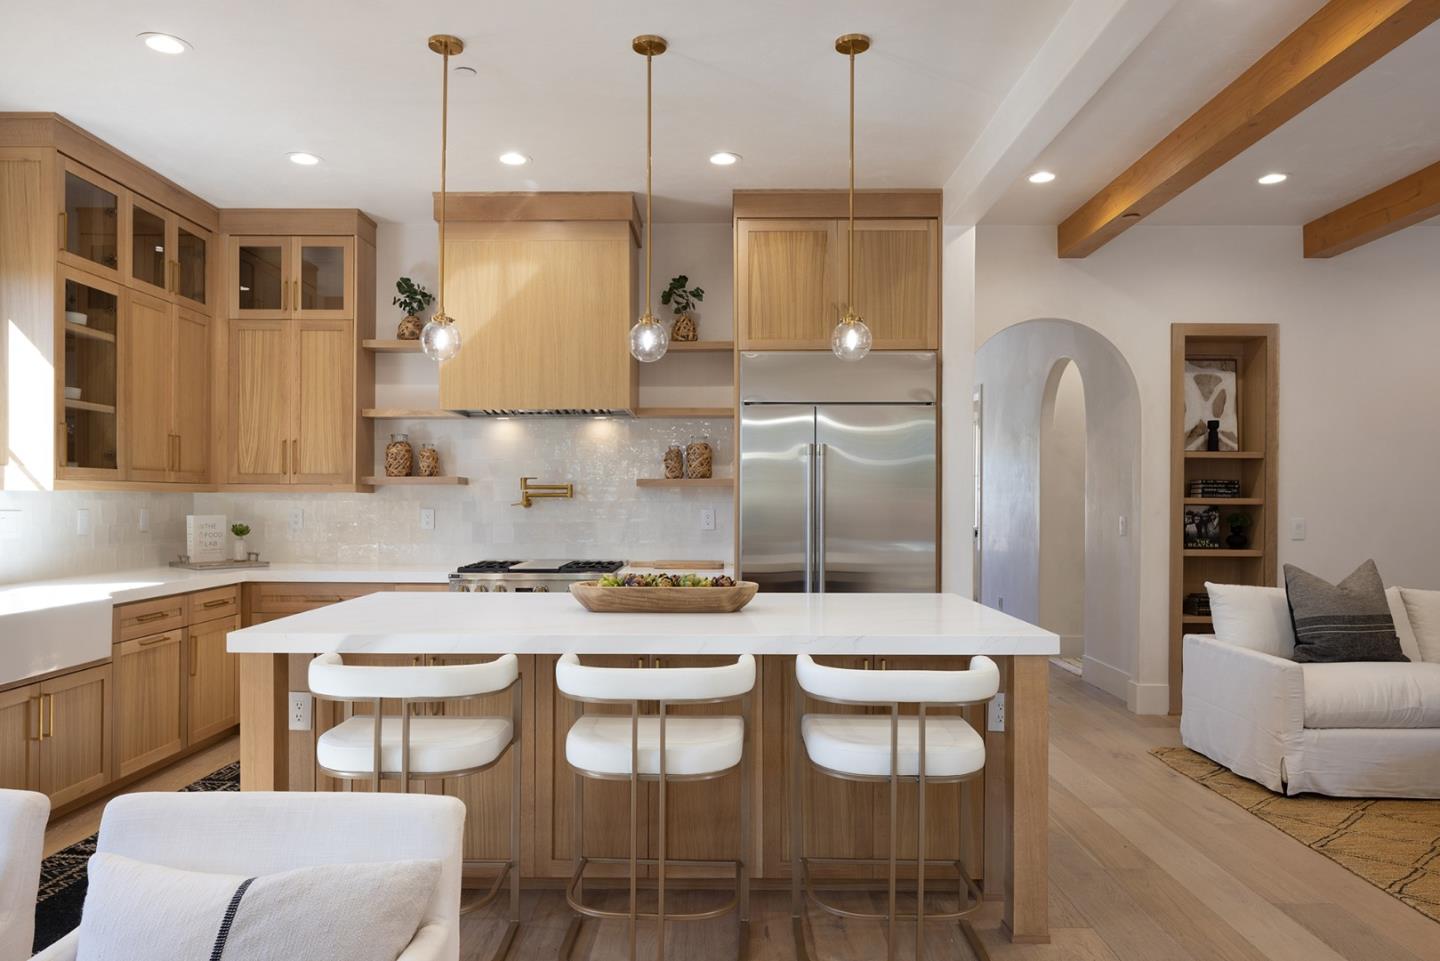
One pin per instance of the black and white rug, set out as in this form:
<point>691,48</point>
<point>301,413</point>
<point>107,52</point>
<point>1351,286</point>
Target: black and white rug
<point>62,874</point>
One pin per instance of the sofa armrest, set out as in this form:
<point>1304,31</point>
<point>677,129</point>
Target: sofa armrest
<point>63,950</point>
<point>429,944</point>
<point>1241,708</point>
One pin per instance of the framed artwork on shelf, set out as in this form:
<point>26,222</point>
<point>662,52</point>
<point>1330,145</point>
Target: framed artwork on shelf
<point>1202,528</point>
<point>1212,393</point>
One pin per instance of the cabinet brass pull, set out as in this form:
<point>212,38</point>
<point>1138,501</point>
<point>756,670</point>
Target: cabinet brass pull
<point>295,455</point>
<point>884,664</point>
<point>39,720</point>
<point>64,231</point>
<point>52,714</point>
<point>218,602</point>
<point>194,653</point>
<point>330,599</point>
<point>152,616</point>
<point>284,296</point>
<point>284,457</point>
<point>175,277</point>
<point>297,295</point>
<point>659,662</point>
<point>147,641</point>
<point>639,662</point>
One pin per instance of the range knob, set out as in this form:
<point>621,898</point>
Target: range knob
<point>480,589</point>
<point>541,589</point>
<point>501,588</point>
<point>458,587</point>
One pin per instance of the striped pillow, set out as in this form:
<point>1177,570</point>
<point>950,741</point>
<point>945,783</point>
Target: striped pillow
<point>1349,621</point>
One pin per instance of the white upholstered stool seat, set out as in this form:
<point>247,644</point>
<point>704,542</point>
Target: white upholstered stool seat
<point>693,745</point>
<point>438,745</point>
<point>860,744</point>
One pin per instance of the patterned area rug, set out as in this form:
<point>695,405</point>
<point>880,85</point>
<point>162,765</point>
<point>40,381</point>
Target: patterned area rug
<point>62,874</point>
<point>1393,844</point>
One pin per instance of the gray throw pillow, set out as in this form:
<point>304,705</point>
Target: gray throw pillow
<point>1349,621</point>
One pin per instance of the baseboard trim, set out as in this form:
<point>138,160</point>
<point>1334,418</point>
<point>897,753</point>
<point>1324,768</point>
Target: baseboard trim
<point>1148,698</point>
<point>1107,677</point>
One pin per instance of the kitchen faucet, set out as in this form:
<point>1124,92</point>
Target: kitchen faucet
<point>529,491</point>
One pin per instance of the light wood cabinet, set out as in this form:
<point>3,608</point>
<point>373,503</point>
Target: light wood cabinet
<point>148,700</point>
<point>213,686</point>
<point>167,375</point>
<point>89,327</point>
<point>20,721</point>
<point>323,403</point>
<point>75,755</point>
<point>792,282</point>
<point>283,277</point>
<point>93,212</point>
<point>261,385</point>
<point>169,256</point>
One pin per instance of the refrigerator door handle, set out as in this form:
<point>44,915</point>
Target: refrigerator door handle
<point>809,518</point>
<point>819,512</point>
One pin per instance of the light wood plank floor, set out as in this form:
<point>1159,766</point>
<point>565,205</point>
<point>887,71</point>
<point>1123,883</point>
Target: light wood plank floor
<point>1146,865</point>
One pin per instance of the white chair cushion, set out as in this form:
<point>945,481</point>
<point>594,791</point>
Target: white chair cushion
<point>437,744</point>
<point>360,912</point>
<point>860,744</point>
<point>1408,645</point>
<point>978,682</point>
<point>330,676</point>
<point>1423,608</point>
<point>672,684</point>
<point>693,745</point>
<point>1372,694</point>
<point>1257,618</point>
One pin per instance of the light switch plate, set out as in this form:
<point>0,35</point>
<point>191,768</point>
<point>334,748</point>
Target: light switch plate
<point>1297,528</point>
<point>427,518</point>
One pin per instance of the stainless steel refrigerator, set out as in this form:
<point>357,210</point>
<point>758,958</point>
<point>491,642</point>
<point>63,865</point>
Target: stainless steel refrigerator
<point>838,472</point>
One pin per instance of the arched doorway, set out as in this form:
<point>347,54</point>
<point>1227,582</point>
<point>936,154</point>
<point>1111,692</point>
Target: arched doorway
<point>1062,511</point>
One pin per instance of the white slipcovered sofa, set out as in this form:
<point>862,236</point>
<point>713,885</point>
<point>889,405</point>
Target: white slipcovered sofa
<point>22,837</point>
<point>1360,729</point>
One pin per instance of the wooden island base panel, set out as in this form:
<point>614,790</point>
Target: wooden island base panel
<point>1000,829</point>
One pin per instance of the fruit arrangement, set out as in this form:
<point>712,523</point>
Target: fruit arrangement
<point>665,580</point>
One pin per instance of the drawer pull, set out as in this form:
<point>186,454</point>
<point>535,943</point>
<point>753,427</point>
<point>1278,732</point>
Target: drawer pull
<point>328,599</point>
<point>152,616</point>
<point>157,639</point>
<point>218,602</point>
<point>52,715</point>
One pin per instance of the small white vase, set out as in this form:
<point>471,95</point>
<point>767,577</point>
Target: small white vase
<point>238,551</point>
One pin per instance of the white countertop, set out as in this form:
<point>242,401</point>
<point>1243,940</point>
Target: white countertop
<point>434,623</point>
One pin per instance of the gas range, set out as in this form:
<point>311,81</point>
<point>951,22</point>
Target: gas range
<point>536,577</point>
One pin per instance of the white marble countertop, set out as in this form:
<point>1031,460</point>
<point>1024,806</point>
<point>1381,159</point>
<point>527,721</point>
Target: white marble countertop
<point>421,623</point>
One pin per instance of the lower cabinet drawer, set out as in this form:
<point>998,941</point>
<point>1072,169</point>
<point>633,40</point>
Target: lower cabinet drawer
<point>149,698</point>
<point>213,605</point>
<point>294,598</point>
<point>151,617</point>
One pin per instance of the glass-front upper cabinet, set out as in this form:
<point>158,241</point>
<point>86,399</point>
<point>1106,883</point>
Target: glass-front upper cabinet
<point>326,274</point>
<point>261,270</point>
<point>151,246</point>
<point>90,312</point>
<point>283,277</point>
<point>192,261</point>
<point>90,219</point>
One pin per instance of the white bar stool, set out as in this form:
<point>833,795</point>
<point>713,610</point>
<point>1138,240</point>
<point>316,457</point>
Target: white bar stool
<point>916,748</point>
<point>405,747</point>
<point>659,748</point>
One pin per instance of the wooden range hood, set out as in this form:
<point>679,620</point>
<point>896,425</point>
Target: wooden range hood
<point>542,288</point>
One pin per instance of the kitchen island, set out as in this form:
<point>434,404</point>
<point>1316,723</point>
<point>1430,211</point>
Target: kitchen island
<point>1001,833</point>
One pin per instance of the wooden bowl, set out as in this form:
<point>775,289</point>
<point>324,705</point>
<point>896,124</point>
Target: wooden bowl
<point>663,600</point>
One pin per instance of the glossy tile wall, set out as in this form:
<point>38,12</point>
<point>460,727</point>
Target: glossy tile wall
<point>39,532</point>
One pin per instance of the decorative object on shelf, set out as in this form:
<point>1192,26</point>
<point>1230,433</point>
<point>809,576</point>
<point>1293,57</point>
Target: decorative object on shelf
<point>682,302</point>
<point>1202,527</point>
<point>399,456</point>
<point>76,317</point>
<point>237,549</point>
<point>699,458</point>
<point>1197,604</point>
<point>663,594</point>
<point>648,338</point>
<point>851,338</point>
<point>1212,435</point>
<point>205,537</point>
<point>251,560</point>
<point>530,492</point>
<point>1212,487</point>
<point>73,393</point>
<point>413,299</point>
<point>429,461</point>
<point>674,462</point>
<point>440,338</point>
<point>1239,538</point>
<point>1212,394</point>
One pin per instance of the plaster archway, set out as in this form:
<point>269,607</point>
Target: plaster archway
<point>1013,369</point>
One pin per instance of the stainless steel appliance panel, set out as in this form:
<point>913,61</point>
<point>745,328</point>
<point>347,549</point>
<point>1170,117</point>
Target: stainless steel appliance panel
<point>819,377</point>
<point>776,485</point>
<point>875,498</point>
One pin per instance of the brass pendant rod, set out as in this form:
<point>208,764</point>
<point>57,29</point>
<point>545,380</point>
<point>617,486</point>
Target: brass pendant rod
<point>444,144</point>
<point>850,239</point>
<point>649,175</point>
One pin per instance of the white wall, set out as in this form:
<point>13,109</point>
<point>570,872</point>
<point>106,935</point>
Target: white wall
<point>1062,510</point>
<point>1359,401</point>
<point>957,481</point>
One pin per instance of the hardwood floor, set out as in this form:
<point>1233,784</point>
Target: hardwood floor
<point>1146,865</point>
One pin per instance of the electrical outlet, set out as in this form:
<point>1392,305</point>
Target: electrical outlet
<point>427,518</point>
<point>995,715</point>
<point>1297,528</point>
<point>707,518</point>
<point>300,708</point>
<point>297,520</point>
<point>9,525</point>
<point>144,523</point>
<point>82,522</point>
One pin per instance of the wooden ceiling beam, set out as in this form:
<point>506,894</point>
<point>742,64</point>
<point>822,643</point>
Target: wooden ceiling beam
<point>1408,201</point>
<point>1340,40</point>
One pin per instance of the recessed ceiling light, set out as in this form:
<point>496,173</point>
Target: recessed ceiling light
<point>164,43</point>
<point>1269,179</point>
<point>514,158</point>
<point>724,158</point>
<point>465,71</point>
<point>1041,177</point>
<point>303,159</point>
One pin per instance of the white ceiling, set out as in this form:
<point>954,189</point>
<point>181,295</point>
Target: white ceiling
<point>1379,127</point>
<point>352,81</point>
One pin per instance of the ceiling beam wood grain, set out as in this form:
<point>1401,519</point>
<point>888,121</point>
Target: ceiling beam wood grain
<point>1338,42</point>
<point>1408,201</point>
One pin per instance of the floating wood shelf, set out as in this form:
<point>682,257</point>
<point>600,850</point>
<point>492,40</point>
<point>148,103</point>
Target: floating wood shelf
<point>684,412</point>
<point>411,413</point>
<point>1195,619</point>
<point>1226,501</point>
<point>89,405</point>
<point>1223,552</point>
<point>392,346</point>
<point>80,330</point>
<point>415,481</point>
<point>684,482</point>
<point>701,346</point>
<point>1224,455</point>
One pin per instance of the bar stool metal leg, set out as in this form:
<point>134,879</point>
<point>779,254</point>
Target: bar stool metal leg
<point>797,829</point>
<point>894,820</point>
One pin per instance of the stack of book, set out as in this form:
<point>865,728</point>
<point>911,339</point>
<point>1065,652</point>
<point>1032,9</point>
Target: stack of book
<point>1206,487</point>
<point>1197,604</point>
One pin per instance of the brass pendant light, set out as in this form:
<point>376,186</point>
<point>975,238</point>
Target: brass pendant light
<point>440,339</point>
<point>851,338</point>
<point>648,338</point>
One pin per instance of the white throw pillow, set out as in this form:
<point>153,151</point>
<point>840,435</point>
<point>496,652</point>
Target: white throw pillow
<point>361,912</point>
<point>1257,618</point>
<point>1403,630</point>
<point>1423,608</point>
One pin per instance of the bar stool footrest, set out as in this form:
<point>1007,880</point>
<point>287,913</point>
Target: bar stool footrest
<point>579,907</point>
<point>975,897</point>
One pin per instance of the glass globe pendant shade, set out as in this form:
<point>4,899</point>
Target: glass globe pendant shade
<point>648,340</point>
<point>851,338</point>
<point>440,339</point>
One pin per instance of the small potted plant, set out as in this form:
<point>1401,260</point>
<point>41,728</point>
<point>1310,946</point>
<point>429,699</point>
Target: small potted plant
<point>1239,524</point>
<point>413,299</point>
<point>682,302</point>
<point>237,551</point>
